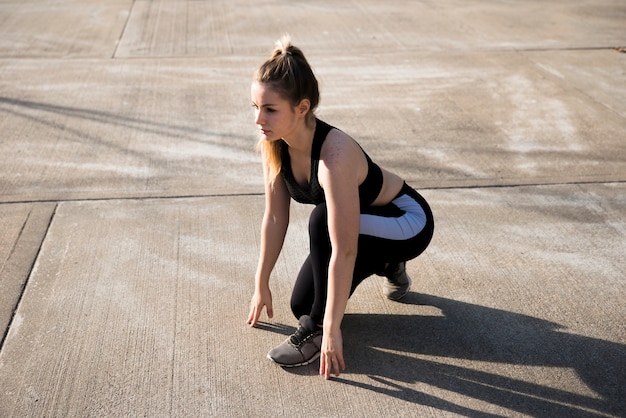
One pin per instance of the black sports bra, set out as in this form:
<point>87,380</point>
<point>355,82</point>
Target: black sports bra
<point>314,194</point>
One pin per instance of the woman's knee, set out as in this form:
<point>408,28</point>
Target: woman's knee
<point>299,309</point>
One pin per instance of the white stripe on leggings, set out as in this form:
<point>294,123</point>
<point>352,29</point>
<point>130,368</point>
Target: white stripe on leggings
<point>404,227</point>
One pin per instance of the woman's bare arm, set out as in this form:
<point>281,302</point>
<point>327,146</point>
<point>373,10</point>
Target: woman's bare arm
<point>342,167</point>
<point>273,231</point>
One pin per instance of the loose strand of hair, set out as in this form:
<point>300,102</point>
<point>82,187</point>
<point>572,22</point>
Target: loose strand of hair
<point>271,152</point>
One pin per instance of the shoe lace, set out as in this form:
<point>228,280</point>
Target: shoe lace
<point>300,336</point>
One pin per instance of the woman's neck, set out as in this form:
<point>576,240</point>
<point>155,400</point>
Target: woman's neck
<point>302,138</point>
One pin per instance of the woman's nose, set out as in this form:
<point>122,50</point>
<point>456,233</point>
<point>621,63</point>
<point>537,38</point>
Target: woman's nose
<point>257,117</point>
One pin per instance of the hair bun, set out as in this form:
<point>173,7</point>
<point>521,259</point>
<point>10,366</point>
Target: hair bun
<point>284,46</point>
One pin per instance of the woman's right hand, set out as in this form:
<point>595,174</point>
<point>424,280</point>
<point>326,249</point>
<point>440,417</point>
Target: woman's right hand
<point>261,298</point>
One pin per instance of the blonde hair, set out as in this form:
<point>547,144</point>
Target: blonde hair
<point>288,72</point>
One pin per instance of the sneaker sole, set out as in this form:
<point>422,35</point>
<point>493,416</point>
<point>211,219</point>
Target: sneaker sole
<point>311,360</point>
<point>396,298</point>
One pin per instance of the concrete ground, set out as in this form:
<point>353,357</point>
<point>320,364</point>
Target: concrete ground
<point>131,200</point>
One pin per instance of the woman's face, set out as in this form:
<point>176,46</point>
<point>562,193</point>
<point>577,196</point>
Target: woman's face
<point>273,114</point>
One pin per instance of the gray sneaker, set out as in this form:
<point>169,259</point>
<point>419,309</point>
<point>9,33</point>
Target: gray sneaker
<point>397,282</point>
<point>301,348</point>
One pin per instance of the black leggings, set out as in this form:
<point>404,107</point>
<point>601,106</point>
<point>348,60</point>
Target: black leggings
<point>384,239</point>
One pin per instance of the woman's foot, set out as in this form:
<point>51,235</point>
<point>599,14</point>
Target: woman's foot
<point>397,282</point>
<point>301,348</point>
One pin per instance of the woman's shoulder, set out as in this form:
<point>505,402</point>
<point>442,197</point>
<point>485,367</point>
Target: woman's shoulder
<point>340,148</point>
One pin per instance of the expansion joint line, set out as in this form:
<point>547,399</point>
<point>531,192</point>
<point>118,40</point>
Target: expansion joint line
<point>20,297</point>
<point>123,31</point>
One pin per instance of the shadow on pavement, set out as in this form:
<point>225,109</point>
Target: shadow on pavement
<point>376,346</point>
<point>47,114</point>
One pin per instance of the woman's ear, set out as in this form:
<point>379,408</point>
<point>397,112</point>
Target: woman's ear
<point>303,107</point>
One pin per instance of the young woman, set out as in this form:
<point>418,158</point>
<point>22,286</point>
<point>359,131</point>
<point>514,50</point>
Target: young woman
<point>366,220</point>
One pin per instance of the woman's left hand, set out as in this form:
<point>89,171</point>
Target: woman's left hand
<point>331,357</point>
